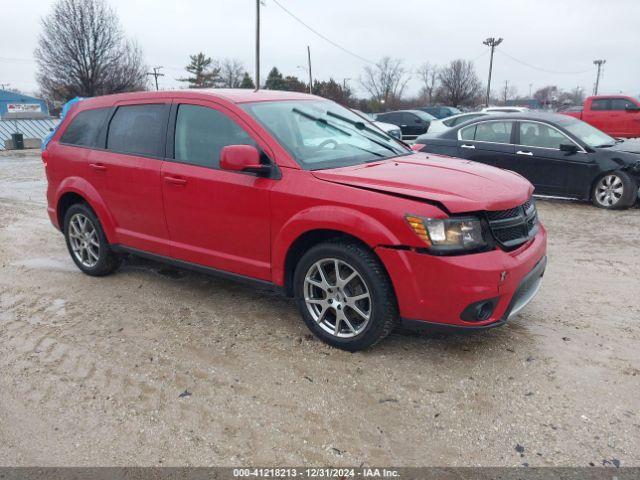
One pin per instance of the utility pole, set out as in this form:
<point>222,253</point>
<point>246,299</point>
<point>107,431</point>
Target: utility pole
<point>599,64</point>
<point>257,45</point>
<point>506,91</point>
<point>493,43</point>
<point>155,74</point>
<point>530,86</point>
<point>4,86</point>
<point>310,76</point>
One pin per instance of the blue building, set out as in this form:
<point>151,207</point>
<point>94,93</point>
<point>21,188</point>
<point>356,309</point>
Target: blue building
<point>18,106</point>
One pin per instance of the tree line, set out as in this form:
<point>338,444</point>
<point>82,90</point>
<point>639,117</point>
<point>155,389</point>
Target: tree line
<point>83,51</point>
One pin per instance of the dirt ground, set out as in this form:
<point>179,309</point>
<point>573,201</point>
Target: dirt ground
<point>92,370</point>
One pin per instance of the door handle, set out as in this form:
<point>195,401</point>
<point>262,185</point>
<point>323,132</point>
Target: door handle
<point>175,180</point>
<point>98,166</point>
<point>464,145</point>
<point>523,152</point>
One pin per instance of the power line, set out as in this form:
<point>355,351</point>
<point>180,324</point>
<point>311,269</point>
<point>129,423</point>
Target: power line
<point>326,39</point>
<point>546,70</point>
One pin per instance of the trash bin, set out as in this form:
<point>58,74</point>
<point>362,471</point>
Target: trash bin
<point>18,141</point>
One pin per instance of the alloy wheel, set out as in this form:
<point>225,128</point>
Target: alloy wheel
<point>84,240</point>
<point>609,190</point>
<point>337,297</point>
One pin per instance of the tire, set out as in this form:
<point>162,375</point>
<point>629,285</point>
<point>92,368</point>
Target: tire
<point>87,243</point>
<point>606,191</point>
<point>363,305</point>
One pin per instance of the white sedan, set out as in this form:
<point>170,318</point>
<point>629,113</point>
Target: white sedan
<point>388,128</point>
<point>437,126</point>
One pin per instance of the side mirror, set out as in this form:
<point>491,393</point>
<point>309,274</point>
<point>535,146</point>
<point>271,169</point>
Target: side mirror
<point>569,147</point>
<point>631,108</point>
<point>243,158</point>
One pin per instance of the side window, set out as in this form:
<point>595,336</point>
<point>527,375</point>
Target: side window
<point>202,132</point>
<point>601,104</point>
<point>496,132</point>
<point>541,135</point>
<point>620,104</point>
<point>84,130</point>
<point>468,133</point>
<point>138,130</point>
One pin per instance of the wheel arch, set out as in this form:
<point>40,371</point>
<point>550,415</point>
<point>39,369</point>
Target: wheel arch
<point>75,190</point>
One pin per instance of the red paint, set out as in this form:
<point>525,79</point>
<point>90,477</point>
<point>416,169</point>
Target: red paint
<point>243,223</point>
<point>615,122</point>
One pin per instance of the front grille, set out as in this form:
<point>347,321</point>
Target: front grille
<point>513,227</point>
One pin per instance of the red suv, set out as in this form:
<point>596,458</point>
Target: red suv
<point>294,191</point>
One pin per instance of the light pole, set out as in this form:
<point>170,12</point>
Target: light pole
<point>599,64</point>
<point>310,76</point>
<point>257,45</point>
<point>493,43</point>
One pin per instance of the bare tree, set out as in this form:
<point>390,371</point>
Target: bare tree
<point>385,81</point>
<point>459,83</point>
<point>82,51</point>
<point>428,74</point>
<point>231,73</point>
<point>508,92</point>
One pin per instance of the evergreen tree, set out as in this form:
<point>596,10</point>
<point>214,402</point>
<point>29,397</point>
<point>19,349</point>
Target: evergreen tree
<point>275,81</point>
<point>247,82</point>
<point>206,72</point>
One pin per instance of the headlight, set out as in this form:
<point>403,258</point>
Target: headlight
<point>449,235</point>
<point>396,134</point>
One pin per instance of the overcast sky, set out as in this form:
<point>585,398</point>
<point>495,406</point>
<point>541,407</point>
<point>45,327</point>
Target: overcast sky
<point>558,36</point>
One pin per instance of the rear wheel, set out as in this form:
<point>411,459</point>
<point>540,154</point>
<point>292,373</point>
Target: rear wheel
<point>87,243</point>
<point>345,295</point>
<point>615,190</point>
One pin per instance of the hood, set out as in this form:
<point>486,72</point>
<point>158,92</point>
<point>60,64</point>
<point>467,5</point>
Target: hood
<point>459,185</point>
<point>628,146</point>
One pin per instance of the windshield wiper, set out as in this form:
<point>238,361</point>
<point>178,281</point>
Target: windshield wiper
<point>321,121</point>
<point>362,126</point>
<point>605,145</point>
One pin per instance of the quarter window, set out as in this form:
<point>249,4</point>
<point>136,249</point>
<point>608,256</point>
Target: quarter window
<point>202,132</point>
<point>138,130</point>
<point>84,130</point>
<point>541,135</point>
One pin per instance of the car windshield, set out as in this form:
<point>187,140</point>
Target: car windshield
<point>588,134</point>
<point>321,134</point>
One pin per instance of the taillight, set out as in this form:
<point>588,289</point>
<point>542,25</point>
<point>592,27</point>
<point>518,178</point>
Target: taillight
<point>417,147</point>
<point>45,157</point>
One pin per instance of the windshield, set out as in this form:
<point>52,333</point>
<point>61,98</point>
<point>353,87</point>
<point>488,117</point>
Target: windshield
<point>427,117</point>
<point>321,134</point>
<point>588,134</point>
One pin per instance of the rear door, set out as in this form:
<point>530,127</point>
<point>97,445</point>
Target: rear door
<point>488,142</point>
<point>127,174</point>
<point>215,217</point>
<point>598,114</point>
<point>550,170</point>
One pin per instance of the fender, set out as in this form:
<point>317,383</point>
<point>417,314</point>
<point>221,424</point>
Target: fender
<point>87,191</point>
<point>342,219</point>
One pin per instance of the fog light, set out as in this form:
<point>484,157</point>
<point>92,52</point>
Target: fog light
<point>479,311</point>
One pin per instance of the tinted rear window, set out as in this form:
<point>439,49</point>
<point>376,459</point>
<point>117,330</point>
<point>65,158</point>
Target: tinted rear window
<point>84,130</point>
<point>138,130</point>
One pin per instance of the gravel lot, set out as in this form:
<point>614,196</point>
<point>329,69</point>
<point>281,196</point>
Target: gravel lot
<point>93,369</point>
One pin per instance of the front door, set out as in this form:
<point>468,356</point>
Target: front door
<point>215,218</point>
<point>550,170</point>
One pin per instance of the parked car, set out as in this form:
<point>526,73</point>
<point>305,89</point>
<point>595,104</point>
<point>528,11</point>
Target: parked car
<point>505,109</point>
<point>389,128</point>
<point>440,111</point>
<point>560,155</point>
<point>616,115</point>
<point>411,122</point>
<point>438,126</point>
<point>363,232</point>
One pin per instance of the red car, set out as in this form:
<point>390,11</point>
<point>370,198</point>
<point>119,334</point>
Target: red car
<point>294,191</point>
<point>616,115</point>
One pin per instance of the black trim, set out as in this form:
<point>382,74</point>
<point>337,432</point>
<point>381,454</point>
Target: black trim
<point>118,248</point>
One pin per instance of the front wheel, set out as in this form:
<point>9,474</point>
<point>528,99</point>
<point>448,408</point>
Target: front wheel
<point>87,242</point>
<point>615,190</point>
<point>345,295</point>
